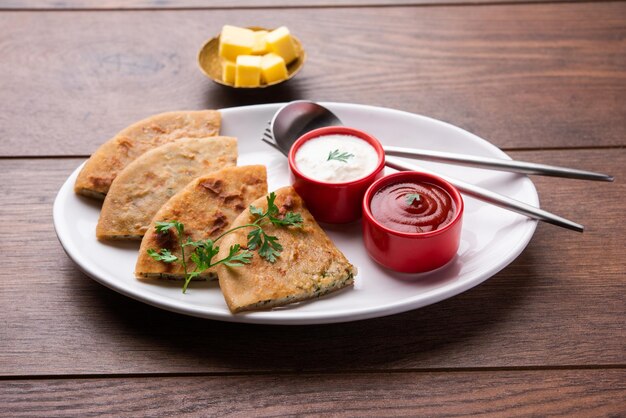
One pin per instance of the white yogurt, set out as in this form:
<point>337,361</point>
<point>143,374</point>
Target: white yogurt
<point>336,158</point>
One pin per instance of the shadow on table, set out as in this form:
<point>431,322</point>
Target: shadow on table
<point>434,336</point>
<point>219,96</point>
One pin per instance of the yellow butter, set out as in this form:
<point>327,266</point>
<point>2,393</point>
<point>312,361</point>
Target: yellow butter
<point>228,72</point>
<point>279,42</point>
<point>260,43</point>
<point>248,71</point>
<point>235,41</point>
<point>273,68</point>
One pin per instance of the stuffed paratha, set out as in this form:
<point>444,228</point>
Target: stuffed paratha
<point>309,266</point>
<point>95,179</point>
<point>140,190</point>
<point>207,207</point>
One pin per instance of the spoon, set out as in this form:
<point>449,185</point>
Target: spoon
<point>298,117</point>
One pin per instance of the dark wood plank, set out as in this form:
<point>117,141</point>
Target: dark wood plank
<point>500,393</point>
<point>559,304</point>
<point>226,4</point>
<point>522,76</point>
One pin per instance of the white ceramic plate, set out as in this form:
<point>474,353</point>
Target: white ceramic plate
<point>491,238</point>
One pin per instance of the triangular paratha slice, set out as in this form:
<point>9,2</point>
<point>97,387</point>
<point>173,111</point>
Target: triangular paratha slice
<point>95,179</point>
<point>207,207</point>
<point>147,183</point>
<point>309,266</point>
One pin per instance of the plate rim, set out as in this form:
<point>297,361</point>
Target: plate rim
<point>295,318</point>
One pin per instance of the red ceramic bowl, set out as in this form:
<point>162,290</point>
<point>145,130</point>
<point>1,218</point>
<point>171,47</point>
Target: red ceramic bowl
<point>410,252</point>
<point>334,202</point>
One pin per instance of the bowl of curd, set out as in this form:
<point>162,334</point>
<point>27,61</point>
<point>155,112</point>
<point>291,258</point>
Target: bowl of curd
<point>332,167</point>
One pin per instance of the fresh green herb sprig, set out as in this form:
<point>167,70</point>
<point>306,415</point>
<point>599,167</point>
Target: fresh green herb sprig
<point>202,255</point>
<point>266,245</point>
<point>339,156</point>
<point>412,198</point>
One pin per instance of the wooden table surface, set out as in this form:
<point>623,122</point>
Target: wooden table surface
<point>543,80</point>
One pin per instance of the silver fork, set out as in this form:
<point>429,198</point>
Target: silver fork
<point>268,138</point>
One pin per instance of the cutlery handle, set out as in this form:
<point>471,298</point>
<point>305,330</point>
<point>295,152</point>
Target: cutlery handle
<point>494,198</point>
<point>497,164</point>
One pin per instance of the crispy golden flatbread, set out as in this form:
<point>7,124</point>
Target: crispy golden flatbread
<point>207,207</point>
<point>140,190</point>
<point>310,265</point>
<point>99,171</point>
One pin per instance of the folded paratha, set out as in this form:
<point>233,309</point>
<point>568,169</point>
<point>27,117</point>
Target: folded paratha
<point>207,207</point>
<point>140,189</point>
<point>98,173</point>
<point>309,266</point>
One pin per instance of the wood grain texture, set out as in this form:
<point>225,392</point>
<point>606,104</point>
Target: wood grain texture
<point>522,76</point>
<point>226,4</point>
<point>559,304</point>
<point>501,393</point>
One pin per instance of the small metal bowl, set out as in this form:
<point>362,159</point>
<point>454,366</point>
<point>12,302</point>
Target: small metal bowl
<point>210,61</point>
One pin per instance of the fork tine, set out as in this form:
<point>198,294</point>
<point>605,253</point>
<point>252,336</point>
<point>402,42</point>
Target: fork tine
<point>268,142</point>
<point>268,138</point>
<point>268,135</point>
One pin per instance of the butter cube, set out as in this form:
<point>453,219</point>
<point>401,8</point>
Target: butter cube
<point>228,72</point>
<point>273,68</point>
<point>279,42</point>
<point>260,43</point>
<point>235,41</point>
<point>248,71</point>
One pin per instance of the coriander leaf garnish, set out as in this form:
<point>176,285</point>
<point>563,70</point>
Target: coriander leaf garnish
<point>203,254</point>
<point>236,258</point>
<point>255,239</point>
<point>339,156</point>
<point>164,255</point>
<point>270,248</point>
<point>256,211</point>
<point>163,227</point>
<point>204,251</point>
<point>267,245</point>
<point>290,219</point>
<point>412,198</point>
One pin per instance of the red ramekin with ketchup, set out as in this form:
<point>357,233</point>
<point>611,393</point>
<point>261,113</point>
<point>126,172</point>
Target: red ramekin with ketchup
<point>412,221</point>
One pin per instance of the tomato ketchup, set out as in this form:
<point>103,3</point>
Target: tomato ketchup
<point>412,207</point>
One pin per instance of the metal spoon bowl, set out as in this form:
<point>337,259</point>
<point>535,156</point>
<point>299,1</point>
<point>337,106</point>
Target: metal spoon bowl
<point>297,118</point>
